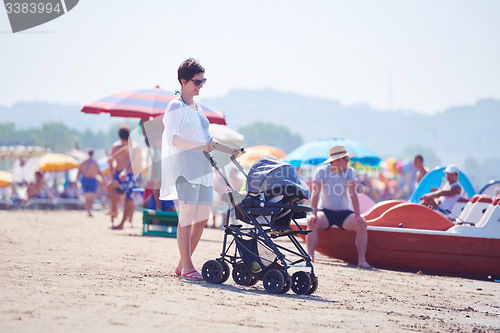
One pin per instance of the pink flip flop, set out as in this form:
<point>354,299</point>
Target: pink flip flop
<point>194,275</point>
<point>177,272</point>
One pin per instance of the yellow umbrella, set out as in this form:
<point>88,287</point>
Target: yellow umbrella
<point>254,153</point>
<point>5,178</point>
<point>57,162</point>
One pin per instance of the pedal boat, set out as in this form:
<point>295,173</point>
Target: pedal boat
<point>410,237</point>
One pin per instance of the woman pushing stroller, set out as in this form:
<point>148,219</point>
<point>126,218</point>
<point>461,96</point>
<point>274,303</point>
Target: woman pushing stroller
<point>186,172</point>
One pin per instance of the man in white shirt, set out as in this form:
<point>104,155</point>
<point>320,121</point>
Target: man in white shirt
<point>447,197</point>
<point>336,183</point>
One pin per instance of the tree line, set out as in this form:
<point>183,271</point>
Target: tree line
<point>260,133</point>
<point>57,136</point>
<point>60,138</point>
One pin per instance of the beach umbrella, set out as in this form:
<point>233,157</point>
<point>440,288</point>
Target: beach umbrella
<point>57,162</point>
<point>318,151</point>
<point>226,134</point>
<point>252,154</point>
<point>5,178</point>
<point>24,169</point>
<point>144,104</point>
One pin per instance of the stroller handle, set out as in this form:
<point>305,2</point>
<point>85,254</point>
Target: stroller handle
<point>238,165</point>
<point>214,165</point>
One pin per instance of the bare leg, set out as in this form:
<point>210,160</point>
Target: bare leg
<point>361,240</point>
<point>312,237</point>
<point>89,200</point>
<point>113,197</point>
<point>131,212</point>
<point>200,217</point>
<point>186,217</point>
<point>128,210</point>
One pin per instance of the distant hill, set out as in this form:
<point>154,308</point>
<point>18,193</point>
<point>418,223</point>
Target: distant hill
<point>31,115</point>
<point>453,134</point>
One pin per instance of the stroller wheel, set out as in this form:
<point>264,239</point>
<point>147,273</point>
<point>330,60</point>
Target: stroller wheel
<point>287,284</point>
<point>225,269</point>
<point>273,281</point>
<point>301,282</point>
<point>252,281</point>
<point>212,271</point>
<point>241,274</point>
<point>314,284</point>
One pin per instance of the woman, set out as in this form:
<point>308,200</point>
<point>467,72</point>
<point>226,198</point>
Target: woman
<point>186,173</point>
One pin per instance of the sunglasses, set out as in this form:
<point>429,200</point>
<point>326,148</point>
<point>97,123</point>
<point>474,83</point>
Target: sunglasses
<point>198,82</point>
<point>345,158</point>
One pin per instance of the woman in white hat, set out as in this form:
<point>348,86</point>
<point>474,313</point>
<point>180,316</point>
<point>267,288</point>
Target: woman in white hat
<point>336,184</point>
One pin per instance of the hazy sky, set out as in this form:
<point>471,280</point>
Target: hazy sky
<point>429,55</point>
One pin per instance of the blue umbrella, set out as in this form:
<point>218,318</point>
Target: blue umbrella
<point>318,151</point>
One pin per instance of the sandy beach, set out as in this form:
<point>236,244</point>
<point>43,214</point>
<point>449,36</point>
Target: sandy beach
<point>64,272</point>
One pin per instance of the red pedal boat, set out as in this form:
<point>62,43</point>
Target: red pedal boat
<point>410,237</point>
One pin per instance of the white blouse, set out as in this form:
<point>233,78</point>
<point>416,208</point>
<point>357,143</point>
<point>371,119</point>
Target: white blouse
<point>179,119</point>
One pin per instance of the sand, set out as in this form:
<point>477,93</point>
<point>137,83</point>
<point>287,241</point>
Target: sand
<point>64,272</point>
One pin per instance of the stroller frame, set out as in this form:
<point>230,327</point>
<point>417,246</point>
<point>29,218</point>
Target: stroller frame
<point>246,240</point>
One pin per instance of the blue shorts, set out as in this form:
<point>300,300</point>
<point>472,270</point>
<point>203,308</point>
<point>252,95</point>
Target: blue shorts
<point>127,186</point>
<point>194,194</point>
<point>89,185</point>
<point>165,204</point>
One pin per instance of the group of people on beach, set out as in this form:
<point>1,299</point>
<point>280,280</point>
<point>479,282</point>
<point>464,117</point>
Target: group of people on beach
<point>39,189</point>
<point>187,177</point>
<point>124,164</point>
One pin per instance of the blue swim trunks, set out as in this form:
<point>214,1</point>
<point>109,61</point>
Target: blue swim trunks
<point>89,185</point>
<point>165,204</point>
<point>126,186</point>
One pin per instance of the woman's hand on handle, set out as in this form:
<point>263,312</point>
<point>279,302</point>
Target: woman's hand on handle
<point>215,145</point>
<point>212,145</point>
<point>237,152</point>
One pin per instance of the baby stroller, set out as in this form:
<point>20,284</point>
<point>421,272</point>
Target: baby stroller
<point>257,217</point>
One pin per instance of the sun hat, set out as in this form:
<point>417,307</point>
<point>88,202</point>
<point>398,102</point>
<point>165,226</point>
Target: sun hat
<point>337,152</point>
<point>452,168</point>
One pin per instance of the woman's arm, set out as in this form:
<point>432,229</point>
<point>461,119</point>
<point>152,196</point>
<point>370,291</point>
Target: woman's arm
<point>190,144</point>
<point>225,149</point>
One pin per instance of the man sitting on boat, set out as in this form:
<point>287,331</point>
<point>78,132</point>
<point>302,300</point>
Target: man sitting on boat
<point>336,183</point>
<point>444,199</point>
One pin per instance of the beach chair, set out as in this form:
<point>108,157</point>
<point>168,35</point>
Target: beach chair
<point>70,203</point>
<point>166,225</point>
<point>42,204</point>
<point>6,204</point>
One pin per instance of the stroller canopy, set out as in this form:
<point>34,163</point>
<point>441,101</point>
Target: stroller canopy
<point>274,177</point>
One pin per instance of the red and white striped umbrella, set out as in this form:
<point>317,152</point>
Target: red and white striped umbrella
<point>144,104</point>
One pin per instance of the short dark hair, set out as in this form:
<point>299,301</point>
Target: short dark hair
<point>90,151</point>
<point>188,69</point>
<point>419,157</point>
<point>124,133</point>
